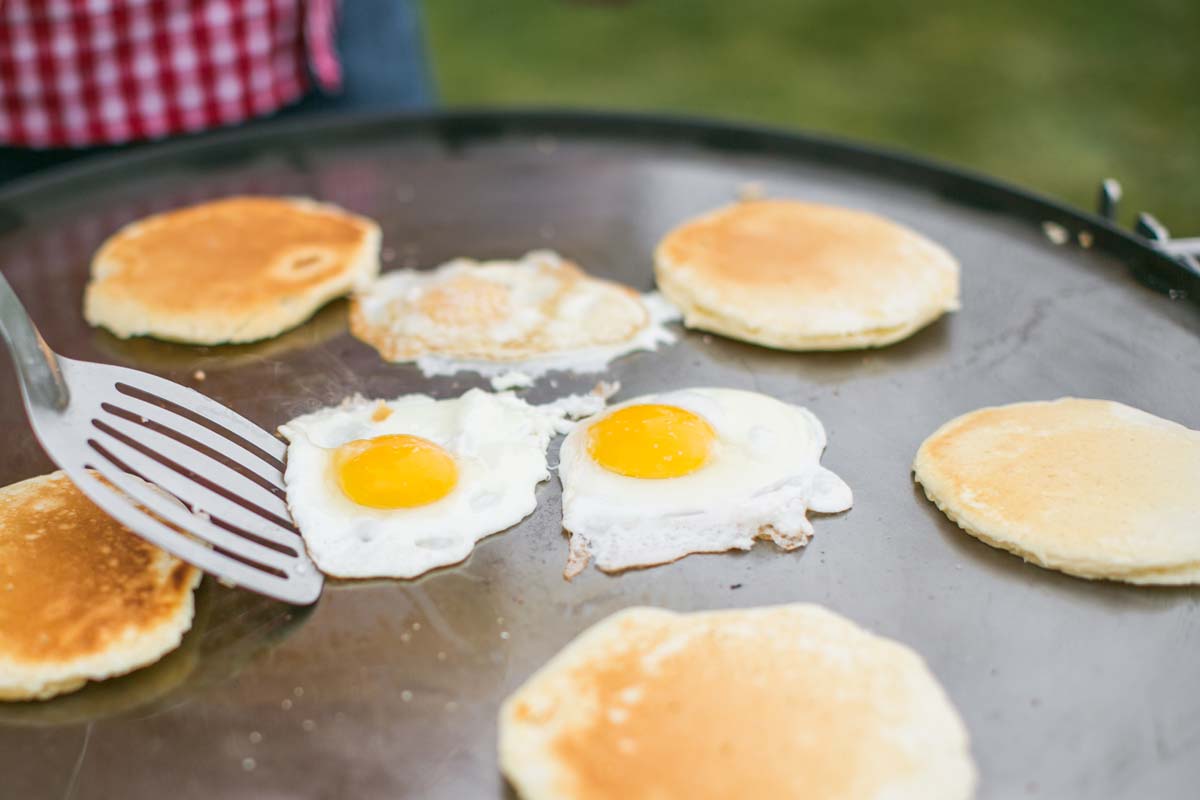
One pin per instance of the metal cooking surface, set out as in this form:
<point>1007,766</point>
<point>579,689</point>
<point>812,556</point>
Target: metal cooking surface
<point>1069,688</point>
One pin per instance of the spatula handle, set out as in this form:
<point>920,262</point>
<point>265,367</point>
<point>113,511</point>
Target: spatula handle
<point>37,366</point>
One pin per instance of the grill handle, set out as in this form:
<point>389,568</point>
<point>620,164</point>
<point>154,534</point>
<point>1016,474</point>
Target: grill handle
<point>1186,251</point>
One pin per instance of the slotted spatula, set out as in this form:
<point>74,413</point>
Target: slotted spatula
<point>222,475</point>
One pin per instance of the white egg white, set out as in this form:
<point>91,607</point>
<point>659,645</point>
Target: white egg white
<point>575,317</point>
<point>498,442</point>
<point>581,361</point>
<point>762,477</point>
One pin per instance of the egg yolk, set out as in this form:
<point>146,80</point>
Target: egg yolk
<point>394,471</point>
<point>651,441</point>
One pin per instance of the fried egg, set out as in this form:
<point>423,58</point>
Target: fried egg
<point>510,320</point>
<point>693,471</point>
<point>397,488</point>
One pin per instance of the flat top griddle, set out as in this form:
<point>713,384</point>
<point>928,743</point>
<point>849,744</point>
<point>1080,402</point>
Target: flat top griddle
<point>1069,688</point>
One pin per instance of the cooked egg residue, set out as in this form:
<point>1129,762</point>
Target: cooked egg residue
<point>693,471</point>
<point>510,320</point>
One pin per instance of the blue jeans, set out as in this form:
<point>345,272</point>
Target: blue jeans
<point>383,68</point>
<point>383,60</point>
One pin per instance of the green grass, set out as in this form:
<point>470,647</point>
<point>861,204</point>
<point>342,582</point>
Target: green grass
<point>1053,95</point>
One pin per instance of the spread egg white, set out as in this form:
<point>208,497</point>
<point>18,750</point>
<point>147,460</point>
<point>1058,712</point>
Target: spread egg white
<point>760,477</point>
<point>509,320</point>
<point>579,360</point>
<point>496,444</point>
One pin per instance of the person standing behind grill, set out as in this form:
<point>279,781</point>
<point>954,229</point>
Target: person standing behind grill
<point>79,77</point>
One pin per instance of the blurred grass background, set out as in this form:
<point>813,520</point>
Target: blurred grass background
<point>1053,95</point>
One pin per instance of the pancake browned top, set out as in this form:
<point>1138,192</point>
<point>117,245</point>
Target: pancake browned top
<point>239,251</point>
<point>73,581</point>
<point>791,701</point>
<point>805,275</point>
<point>232,270</point>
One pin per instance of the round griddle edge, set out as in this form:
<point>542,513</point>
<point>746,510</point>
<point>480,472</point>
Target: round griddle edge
<point>1069,688</point>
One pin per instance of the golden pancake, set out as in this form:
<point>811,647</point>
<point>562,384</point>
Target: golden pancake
<point>81,597</point>
<point>1092,488</point>
<point>783,702</point>
<point>233,270</point>
<point>803,276</point>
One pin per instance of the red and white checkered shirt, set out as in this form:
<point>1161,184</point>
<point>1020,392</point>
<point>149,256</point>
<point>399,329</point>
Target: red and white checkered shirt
<point>75,73</point>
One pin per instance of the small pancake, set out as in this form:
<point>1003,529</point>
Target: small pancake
<point>783,702</point>
<point>81,597</point>
<point>141,691</point>
<point>234,270</point>
<point>538,309</point>
<point>803,276</point>
<point>1091,488</point>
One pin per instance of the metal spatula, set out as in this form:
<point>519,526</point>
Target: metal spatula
<point>220,475</point>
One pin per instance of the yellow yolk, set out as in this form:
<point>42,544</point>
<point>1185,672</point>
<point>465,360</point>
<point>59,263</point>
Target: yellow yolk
<point>394,471</point>
<point>651,441</point>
